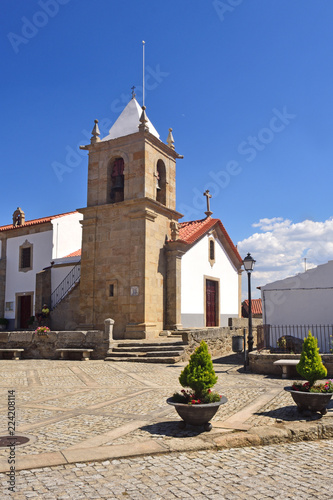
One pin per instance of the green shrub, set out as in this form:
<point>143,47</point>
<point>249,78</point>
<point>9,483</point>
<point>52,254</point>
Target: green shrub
<point>199,374</point>
<point>310,365</point>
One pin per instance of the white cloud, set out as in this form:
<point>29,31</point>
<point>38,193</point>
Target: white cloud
<point>281,246</point>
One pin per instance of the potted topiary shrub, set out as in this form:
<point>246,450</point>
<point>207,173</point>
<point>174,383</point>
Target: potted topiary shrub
<point>3,324</point>
<point>309,396</point>
<point>198,404</point>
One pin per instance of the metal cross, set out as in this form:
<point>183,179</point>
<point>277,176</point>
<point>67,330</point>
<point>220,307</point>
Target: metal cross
<point>208,196</point>
<point>133,93</point>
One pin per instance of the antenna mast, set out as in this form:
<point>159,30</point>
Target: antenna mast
<point>143,72</point>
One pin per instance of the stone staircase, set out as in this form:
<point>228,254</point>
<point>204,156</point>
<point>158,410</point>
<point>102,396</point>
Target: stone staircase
<point>147,352</point>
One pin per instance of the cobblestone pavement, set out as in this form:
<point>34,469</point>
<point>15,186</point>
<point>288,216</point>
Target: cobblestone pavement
<point>76,412</point>
<point>290,471</point>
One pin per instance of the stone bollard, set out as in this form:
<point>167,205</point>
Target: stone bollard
<point>109,330</point>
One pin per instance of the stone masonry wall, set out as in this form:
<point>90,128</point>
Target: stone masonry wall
<point>45,348</point>
<point>244,322</point>
<point>219,340</point>
<point>65,315</point>
<point>263,362</point>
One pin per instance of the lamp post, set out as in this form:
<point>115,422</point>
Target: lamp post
<point>248,264</point>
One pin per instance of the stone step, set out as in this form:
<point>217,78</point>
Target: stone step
<point>159,354</point>
<point>144,348</point>
<point>147,352</point>
<point>126,354</point>
<point>144,359</point>
<point>164,353</point>
<point>149,344</point>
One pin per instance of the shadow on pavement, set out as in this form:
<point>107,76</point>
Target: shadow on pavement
<point>289,414</point>
<point>231,359</point>
<point>171,429</point>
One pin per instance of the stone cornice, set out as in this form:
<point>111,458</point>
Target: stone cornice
<point>120,142</point>
<point>125,207</point>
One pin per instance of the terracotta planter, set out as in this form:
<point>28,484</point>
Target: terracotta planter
<point>311,401</point>
<point>197,414</point>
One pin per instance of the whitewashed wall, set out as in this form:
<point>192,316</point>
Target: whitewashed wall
<point>64,239</point>
<point>18,281</point>
<point>61,268</point>
<point>67,235</point>
<point>58,274</point>
<point>195,265</point>
<point>304,299</point>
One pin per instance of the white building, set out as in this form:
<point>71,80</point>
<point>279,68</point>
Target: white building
<point>26,248</point>
<point>303,301</point>
<point>210,274</point>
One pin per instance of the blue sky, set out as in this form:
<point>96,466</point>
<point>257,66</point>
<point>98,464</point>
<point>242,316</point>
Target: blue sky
<point>246,86</point>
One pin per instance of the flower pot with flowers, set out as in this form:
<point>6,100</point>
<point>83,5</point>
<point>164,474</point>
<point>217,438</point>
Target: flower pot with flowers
<point>198,404</point>
<point>42,332</point>
<point>309,396</point>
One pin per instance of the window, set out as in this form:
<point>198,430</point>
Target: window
<point>111,289</point>
<point>25,257</point>
<point>116,181</point>
<point>160,182</point>
<point>211,251</point>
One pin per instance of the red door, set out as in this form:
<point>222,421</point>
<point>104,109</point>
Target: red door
<point>211,297</point>
<point>25,310</point>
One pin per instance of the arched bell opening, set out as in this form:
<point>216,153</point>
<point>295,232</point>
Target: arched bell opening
<point>161,182</point>
<point>116,181</point>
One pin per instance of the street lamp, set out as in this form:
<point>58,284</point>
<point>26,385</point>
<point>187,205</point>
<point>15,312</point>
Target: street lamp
<point>248,264</point>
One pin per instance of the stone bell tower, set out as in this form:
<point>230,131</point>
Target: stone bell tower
<point>129,216</point>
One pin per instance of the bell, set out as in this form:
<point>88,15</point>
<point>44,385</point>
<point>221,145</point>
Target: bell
<point>158,187</point>
<point>119,182</point>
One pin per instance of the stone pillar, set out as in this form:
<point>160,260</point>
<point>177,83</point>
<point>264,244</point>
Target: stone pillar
<point>173,289</point>
<point>108,331</point>
<point>88,270</point>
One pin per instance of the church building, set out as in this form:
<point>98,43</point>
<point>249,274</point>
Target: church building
<point>136,264</point>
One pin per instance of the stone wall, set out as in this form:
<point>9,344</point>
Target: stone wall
<point>45,348</point>
<point>43,290</point>
<point>65,315</point>
<point>244,322</point>
<point>262,362</point>
<point>218,339</point>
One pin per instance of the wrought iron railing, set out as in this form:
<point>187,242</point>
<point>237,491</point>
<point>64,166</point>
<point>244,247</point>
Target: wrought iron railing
<point>270,334</point>
<point>66,285</point>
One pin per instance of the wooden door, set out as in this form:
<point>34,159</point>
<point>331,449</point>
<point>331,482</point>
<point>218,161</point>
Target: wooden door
<point>211,298</point>
<point>24,310</point>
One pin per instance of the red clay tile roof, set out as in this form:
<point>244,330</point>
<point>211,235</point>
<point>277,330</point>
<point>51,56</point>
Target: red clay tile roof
<point>34,222</point>
<point>256,306</point>
<point>77,253</point>
<point>191,231</point>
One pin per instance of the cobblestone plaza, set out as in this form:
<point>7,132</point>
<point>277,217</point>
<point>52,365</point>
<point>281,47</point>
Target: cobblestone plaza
<point>104,430</point>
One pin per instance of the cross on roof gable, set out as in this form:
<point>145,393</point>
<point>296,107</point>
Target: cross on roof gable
<point>191,231</point>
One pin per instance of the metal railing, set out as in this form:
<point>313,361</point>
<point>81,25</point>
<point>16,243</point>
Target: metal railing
<point>66,285</point>
<point>268,335</point>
